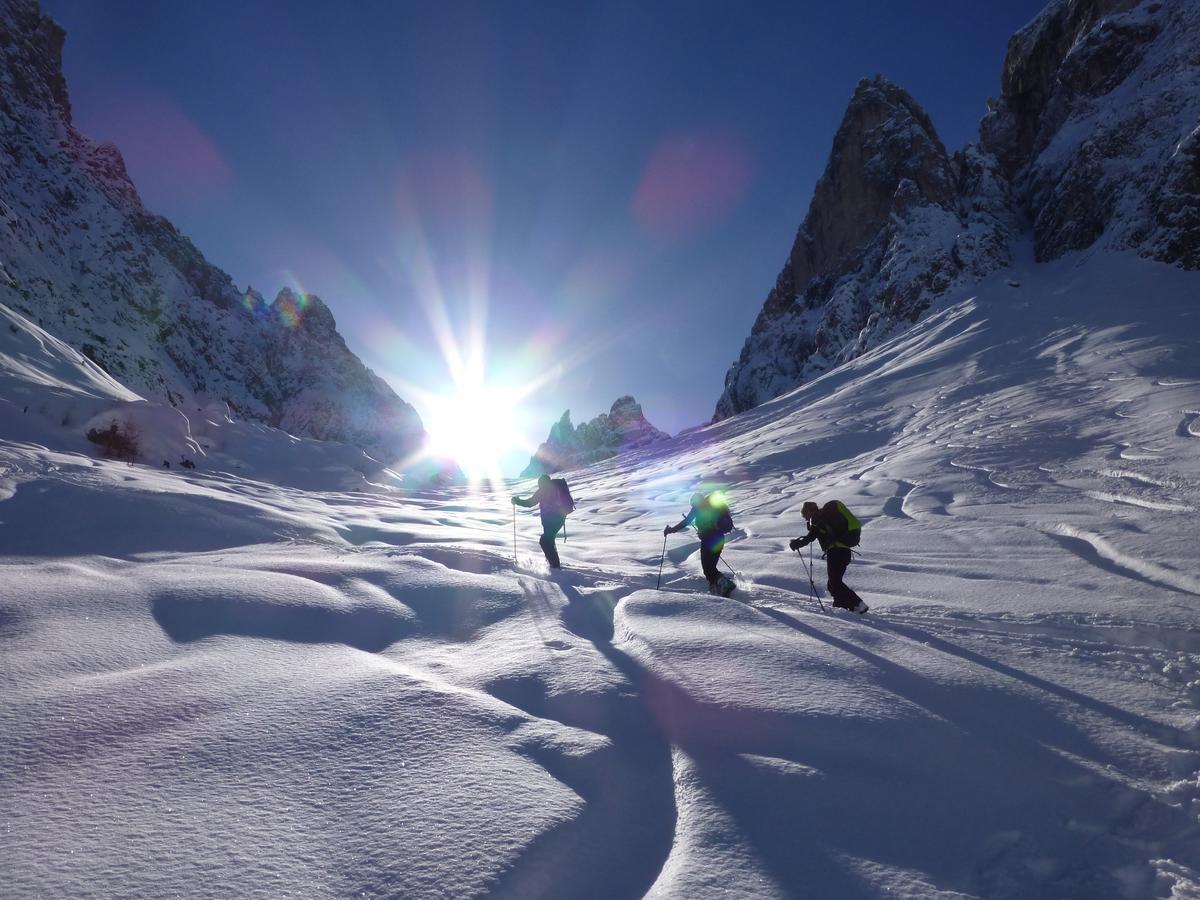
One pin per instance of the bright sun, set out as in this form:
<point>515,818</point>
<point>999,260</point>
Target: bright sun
<point>475,427</point>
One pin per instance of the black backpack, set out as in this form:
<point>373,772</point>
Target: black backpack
<point>725,522</point>
<point>566,503</point>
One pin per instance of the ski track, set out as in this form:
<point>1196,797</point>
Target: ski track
<point>1188,425</point>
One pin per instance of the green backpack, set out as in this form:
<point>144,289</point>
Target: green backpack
<point>847,529</point>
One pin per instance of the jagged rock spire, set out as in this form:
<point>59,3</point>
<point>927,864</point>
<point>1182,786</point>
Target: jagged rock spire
<point>882,236</point>
<point>623,427</point>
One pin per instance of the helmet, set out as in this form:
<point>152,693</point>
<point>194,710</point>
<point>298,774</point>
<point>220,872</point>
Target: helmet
<point>697,499</point>
<point>809,509</point>
<point>543,480</point>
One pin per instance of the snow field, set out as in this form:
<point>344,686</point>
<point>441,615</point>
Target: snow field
<point>223,686</point>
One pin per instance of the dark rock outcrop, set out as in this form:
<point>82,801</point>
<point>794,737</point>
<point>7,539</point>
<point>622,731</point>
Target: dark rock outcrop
<point>623,427</point>
<point>887,231</point>
<point>1096,126</point>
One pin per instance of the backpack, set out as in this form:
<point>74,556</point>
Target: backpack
<point>724,520</point>
<point>566,503</point>
<point>846,528</point>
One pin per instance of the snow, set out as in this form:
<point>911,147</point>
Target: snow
<point>282,680</point>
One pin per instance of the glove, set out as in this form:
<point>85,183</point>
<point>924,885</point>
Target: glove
<point>514,500</point>
<point>668,530</point>
<point>796,543</point>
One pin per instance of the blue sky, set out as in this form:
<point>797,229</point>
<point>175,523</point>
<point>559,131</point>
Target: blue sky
<point>595,196</point>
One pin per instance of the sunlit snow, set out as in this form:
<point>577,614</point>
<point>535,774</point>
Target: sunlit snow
<point>247,680</point>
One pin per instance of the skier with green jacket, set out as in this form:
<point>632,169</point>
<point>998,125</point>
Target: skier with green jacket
<point>836,529</point>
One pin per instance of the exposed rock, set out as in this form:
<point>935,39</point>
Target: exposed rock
<point>623,427</point>
<point>85,260</point>
<point>887,231</point>
<point>1094,141</point>
<point>1095,125</point>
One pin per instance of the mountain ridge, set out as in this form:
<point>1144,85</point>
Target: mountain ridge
<point>84,259</point>
<point>1092,141</point>
<point>623,427</point>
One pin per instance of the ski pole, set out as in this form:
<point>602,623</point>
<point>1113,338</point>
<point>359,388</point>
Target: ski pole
<point>811,584</point>
<point>658,587</point>
<point>810,578</point>
<point>514,535</point>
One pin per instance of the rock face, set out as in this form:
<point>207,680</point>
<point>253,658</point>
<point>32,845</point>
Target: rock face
<point>1094,140</point>
<point>1098,127</point>
<point>887,232</point>
<point>81,257</point>
<point>622,428</point>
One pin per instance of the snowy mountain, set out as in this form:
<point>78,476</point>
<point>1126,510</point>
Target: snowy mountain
<point>83,259</point>
<point>1092,143</point>
<point>274,674</point>
<point>622,428</point>
<point>53,396</point>
<point>212,684</point>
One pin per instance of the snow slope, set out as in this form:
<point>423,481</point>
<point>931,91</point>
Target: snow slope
<point>212,685</point>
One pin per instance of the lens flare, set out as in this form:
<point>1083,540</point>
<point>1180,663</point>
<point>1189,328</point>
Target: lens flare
<point>440,258</point>
<point>290,308</point>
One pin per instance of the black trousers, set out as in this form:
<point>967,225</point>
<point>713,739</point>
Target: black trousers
<point>551,526</point>
<point>711,546</point>
<point>837,560</point>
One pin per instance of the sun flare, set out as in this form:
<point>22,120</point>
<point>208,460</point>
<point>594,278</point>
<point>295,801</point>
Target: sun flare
<point>476,426</point>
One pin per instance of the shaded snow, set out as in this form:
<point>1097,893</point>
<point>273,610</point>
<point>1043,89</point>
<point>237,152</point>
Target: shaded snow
<point>218,685</point>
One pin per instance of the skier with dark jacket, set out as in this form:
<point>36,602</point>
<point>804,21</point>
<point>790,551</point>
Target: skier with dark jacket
<point>553,507</point>
<point>710,515</point>
<point>831,526</point>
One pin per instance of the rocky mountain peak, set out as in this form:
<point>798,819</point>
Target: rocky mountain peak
<point>1095,126</point>
<point>885,140</point>
<point>885,152</point>
<point>84,260</point>
<point>31,46</point>
<point>1093,141</point>
<point>623,427</point>
<point>298,310</point>
<point>886,231</point>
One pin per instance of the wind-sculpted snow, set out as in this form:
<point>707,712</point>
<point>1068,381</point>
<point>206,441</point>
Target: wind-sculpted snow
<point>211,685</point>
